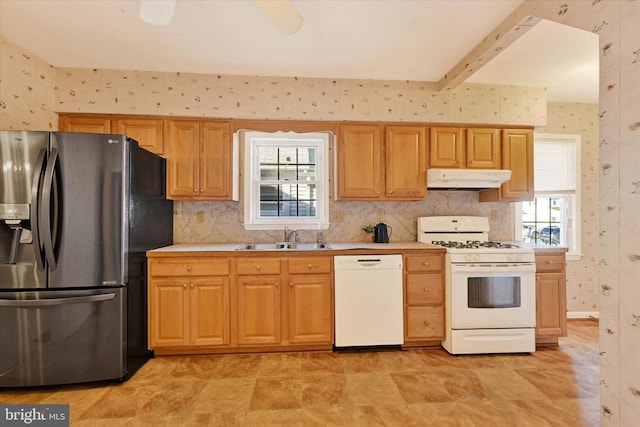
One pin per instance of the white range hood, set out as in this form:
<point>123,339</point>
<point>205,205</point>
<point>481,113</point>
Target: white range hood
<point>466,179</point>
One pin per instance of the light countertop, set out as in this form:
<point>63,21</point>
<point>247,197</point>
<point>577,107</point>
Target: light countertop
<point>341,246</point>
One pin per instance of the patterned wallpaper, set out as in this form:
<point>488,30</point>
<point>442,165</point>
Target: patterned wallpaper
<point>26,90</point>
<point>616,23</point>
<point>283,98</point>
<point>582,119</point>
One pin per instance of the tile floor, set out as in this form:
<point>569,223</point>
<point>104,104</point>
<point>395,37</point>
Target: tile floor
<point>556,386</point>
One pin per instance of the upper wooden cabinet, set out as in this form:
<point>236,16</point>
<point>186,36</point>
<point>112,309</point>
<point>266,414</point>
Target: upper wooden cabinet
<point>517,156</point>
<point>446,147</point>
<point>86,124</point>
<point>381,163</point>
<point>147,131</point>
<point>199,160</point>
<point>483,148</point>
<point>470,148</point>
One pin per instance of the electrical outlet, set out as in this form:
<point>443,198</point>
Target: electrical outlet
<point>338,216</point>
<point>379,215</point>
<point>200,217</point>
<point>494,215</point>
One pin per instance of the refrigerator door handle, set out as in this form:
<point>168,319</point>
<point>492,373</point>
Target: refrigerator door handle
<point>35,209</point>
<point>44,209</point>
<point>36,303</point>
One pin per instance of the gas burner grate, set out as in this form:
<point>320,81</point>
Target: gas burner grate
<point>473,244</point>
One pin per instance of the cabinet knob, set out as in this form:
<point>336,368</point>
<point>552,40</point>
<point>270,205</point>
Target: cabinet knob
<point>188,268</point>
<point>277,284</point>
<point>549,262</point>
<point>390,192</point>
<point>426,323</point>
<point>426,289</point>
<point>258,267</point>
<point>291,284</point>
<point>193,286</point>
<point>195,190</point>
<point>309,266</point>
<point>184,285</point>
<point>202,190</point>
<point>426,264</point>
<point>377,193</point>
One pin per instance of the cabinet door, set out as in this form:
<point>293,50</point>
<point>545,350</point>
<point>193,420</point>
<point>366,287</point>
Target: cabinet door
<point>310,311</point>
<point>209,311</point>
<point>446,148</point>
<point>183,138</point>
<point>551,312</point>
<point>405,165</point>
<point>148,132</point>
<point>483,148</point>
<point>84,124</point>
<point>216,161</point>
<point>168,307</point>
<point>517,155</point>
<point>360,168</point>
<point>259,310</point>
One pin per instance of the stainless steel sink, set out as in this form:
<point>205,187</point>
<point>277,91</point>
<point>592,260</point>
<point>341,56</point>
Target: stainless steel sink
<point>279,246</point>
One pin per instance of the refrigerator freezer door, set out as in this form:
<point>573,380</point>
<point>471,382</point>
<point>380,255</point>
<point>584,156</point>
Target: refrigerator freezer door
<point>62,337</point>
<point>22,156</point>
<point>87,233</point>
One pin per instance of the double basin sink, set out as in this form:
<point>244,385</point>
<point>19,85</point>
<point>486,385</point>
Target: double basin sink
<point>283,246</point>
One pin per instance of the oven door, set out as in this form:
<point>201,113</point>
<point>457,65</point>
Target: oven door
<point>492,296</point>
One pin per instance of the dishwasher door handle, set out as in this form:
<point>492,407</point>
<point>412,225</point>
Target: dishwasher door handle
<point>369,262</point>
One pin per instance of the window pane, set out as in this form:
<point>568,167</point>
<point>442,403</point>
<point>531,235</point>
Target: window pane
<point>543,221</point>
<point>293,200</point>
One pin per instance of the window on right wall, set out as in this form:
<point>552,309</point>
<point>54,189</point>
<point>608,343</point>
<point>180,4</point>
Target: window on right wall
<point>553,217</point>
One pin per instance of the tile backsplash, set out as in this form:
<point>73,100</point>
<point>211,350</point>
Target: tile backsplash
<point>222,221</point>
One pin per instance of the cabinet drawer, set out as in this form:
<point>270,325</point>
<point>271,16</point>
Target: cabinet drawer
<point>550,262</point>
<point>423,263</point>
<point>425,289</point>
<point>425,322</point>
<point>309,265</point>
<point>258,266</point>
<point>189,267</point>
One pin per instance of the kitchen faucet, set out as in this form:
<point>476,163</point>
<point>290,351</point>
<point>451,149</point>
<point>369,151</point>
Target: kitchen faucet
<point>288,233</point>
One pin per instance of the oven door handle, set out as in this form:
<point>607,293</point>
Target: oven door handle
<point>492,268</point>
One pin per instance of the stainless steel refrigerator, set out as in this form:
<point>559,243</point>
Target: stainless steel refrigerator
<point>77,214</point>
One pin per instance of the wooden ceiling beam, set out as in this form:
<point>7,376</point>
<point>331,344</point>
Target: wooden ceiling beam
<point>505,34</point>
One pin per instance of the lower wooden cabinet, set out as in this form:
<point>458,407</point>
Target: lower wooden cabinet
<point>310,301</point>
<point>258,309</point>
<point>424,298</point>
<point>551,297</point>
<point>186,307</point>
<point>209,304</point>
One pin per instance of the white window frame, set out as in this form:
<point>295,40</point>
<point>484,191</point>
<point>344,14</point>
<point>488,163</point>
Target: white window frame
<point>573,223</point>
<point>251,141</point>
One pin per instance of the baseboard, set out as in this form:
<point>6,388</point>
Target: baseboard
<point>583,314</point>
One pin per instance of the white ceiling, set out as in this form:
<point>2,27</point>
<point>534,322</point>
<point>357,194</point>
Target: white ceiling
<point>417,40</point>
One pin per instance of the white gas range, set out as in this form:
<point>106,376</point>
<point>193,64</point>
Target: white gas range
<point>489,287</point>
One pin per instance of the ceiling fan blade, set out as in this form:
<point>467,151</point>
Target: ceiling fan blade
<point>282,14</point>
<point>157,12</point>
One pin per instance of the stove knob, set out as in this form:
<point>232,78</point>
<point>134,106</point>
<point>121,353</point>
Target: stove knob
<point>476,257</point>
<point>510,257</point>
<point>468,257</point>
<point>518,257</point>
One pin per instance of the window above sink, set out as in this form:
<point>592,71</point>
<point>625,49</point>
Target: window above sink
<point>286,180</point>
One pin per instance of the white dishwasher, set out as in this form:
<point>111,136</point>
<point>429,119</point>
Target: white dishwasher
<point>368,300</point>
